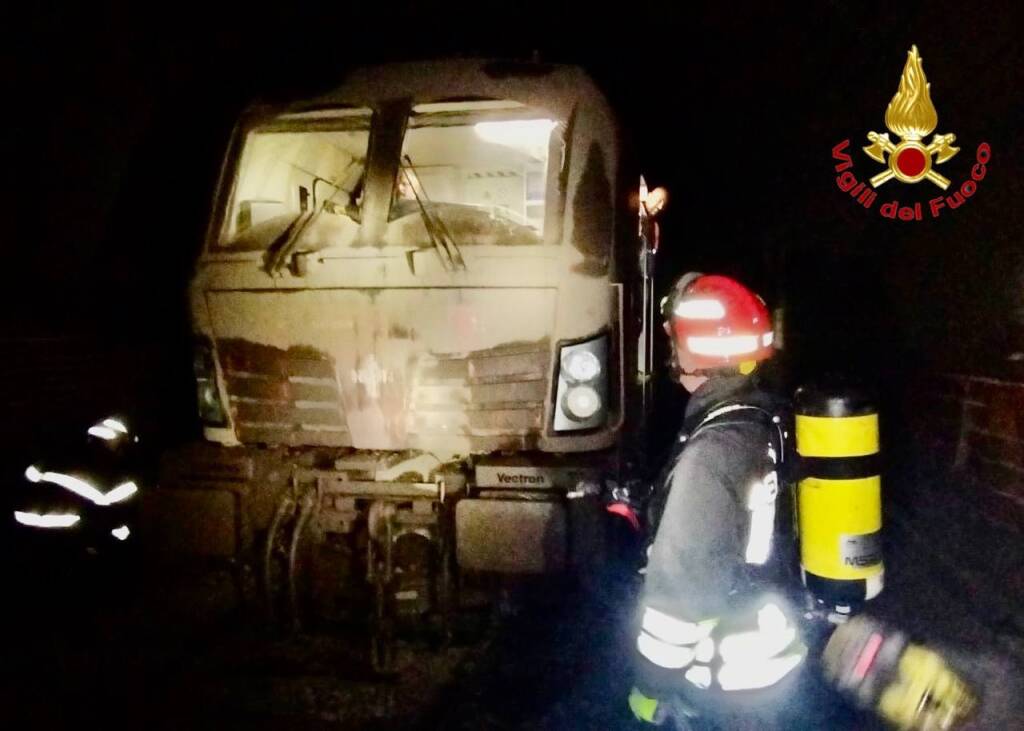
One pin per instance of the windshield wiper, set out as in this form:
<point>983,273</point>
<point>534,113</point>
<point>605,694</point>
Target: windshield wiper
<point>286,243</point>
<point>277,251</point>
<point>440,236</point>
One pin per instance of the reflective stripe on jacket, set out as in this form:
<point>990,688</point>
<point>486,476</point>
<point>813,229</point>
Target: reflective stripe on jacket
<point>705,622</point>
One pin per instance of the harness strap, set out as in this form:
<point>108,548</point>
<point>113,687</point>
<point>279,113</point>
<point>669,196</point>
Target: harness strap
<point>656,507</point>
<point>731,408</point>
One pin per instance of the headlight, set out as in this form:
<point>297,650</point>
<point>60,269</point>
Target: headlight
<point>581,403</point>
<point>211,410</point>
<point>581,397</point>
<point>581,366</point>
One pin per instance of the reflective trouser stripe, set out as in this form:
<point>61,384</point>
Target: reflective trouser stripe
<point>753,647</point>
<point>675,631</point>
<point>670,642</point>
<point>749,676</point>
<point>752,659</point>
<point>664,654</point>
<point>755,659</point>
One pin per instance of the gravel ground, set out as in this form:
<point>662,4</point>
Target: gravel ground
<point>91,644</point>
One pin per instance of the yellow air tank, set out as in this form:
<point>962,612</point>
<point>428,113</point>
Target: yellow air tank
<point>839,506</point>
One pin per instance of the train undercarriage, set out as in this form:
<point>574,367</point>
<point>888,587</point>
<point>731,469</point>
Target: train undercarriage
<point>394,543</point>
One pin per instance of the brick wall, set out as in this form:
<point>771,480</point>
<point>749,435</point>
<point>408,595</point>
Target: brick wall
<point>959,489</point>
<point>973,428</point>
<point>992,438</point>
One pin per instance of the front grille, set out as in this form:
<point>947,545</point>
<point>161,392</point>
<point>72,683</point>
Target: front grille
<point>488,393</point>
<point>489,399</point>
<point>283,396</point>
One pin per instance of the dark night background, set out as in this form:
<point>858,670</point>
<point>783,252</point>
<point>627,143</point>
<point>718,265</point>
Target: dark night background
<point>118,117</point>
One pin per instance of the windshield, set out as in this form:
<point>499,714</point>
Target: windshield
<point>478,170</point>
<point>294,165</point>
<point>481,169</point>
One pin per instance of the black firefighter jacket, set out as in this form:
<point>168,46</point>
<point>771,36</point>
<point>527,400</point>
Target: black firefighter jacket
<point>708,620</point>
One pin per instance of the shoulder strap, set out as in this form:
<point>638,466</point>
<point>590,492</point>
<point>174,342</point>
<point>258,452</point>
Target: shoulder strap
<point>723,410</point>
<point>745,411</point>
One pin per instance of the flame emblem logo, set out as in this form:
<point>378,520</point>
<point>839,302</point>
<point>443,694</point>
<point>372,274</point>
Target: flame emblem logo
<point>911,116</point>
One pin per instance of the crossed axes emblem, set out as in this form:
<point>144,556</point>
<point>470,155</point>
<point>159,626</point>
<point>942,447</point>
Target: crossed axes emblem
<point>910,161</point>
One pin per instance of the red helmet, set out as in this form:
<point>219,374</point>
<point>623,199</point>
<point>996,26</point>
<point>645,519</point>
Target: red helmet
<point>716,322</point>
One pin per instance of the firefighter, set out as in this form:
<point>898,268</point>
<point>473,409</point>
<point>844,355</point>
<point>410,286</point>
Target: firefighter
<point>717,641</point>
